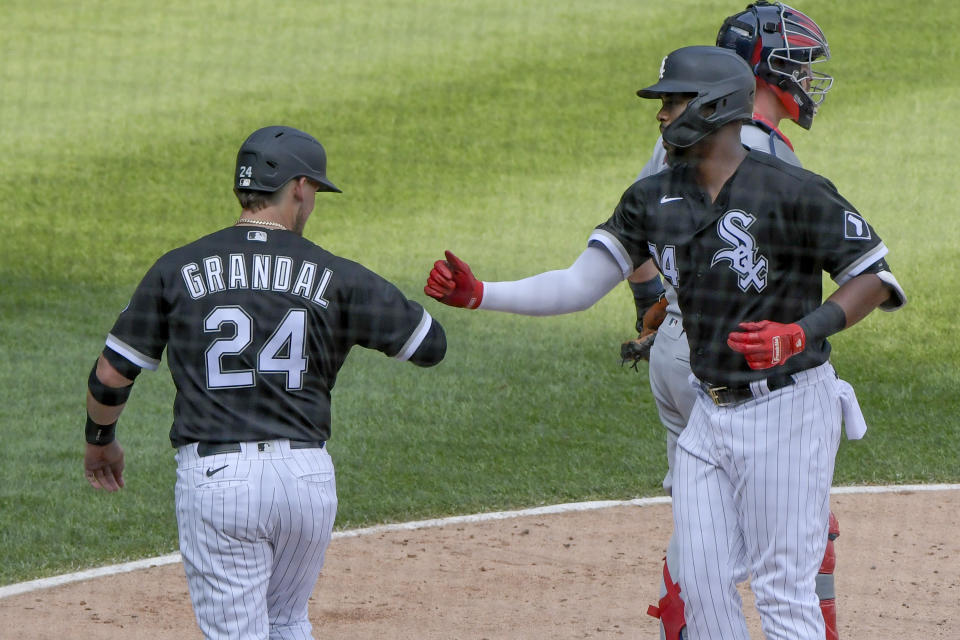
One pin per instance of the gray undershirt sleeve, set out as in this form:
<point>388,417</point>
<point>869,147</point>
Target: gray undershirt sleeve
<point>576,288</point>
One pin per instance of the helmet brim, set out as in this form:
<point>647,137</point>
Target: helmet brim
<point>326,185</point>
<point>667,87</point>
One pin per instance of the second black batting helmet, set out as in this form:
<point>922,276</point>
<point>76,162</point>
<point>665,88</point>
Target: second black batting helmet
<point>271,156</point>
<point>721,87</point>
<point>782,45</point>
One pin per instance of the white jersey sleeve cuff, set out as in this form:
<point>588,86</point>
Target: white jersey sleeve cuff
<point>416,338</point>
<point>616,249</point>
<point>897,297</point>
<point>861,264</point>
<point>131,354</point>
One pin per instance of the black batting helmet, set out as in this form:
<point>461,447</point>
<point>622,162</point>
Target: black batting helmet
<point>720,82</point>
<point>782,44</point>
<point>273,155</point>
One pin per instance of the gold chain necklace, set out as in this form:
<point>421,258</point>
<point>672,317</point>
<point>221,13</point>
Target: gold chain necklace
<point>266,223</point>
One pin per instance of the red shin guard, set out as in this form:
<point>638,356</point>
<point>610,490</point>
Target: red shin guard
<point>829,610</point>
<point>670,608</point>
<point>825,584</point>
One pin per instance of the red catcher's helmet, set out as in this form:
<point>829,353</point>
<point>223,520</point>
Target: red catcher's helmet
<point>782,44</point>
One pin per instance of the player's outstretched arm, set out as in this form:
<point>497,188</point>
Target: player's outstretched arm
<point>767,344</point>
<point>589,278</point>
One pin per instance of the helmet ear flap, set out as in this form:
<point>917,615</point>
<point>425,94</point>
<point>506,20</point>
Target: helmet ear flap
<point>708,110</point>
<point>721,82</point>
<point>703,117</point>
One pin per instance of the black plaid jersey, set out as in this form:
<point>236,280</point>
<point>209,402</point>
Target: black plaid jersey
<point>757,253</point>
<point>256,325</point>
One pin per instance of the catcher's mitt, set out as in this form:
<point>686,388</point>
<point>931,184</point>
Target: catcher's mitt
<point>633,351</point>
<point>652,318</point>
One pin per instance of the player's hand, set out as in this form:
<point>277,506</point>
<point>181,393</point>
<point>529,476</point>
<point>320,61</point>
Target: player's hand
<point>767,344</point>
<point>103,466</point>
<point>451,282</point>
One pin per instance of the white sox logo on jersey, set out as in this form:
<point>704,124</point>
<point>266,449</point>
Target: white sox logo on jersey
<point>743,252</point>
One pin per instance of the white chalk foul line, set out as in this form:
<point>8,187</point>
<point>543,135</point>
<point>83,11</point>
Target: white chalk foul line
<point>172,558</point>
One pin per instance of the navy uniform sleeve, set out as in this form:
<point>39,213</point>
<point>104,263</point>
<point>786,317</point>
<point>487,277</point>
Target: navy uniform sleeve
<point>623,234</point>
<point>382,318</point>
<point>141,331</point>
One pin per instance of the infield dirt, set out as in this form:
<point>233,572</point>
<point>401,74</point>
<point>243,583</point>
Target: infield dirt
<point>588,574</point>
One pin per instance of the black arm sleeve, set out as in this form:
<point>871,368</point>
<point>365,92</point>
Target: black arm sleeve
<point>126,368</point>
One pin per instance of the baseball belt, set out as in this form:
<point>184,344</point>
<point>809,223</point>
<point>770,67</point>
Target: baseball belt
<point>728,396</point>
<point>213,448</point>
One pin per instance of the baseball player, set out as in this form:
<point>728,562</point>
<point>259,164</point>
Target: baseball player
<point>781,45</point>
<point>755,462</point>
<point>257,321</point>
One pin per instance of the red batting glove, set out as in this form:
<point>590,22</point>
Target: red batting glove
<point>451,282</point>
<point>767,344</point>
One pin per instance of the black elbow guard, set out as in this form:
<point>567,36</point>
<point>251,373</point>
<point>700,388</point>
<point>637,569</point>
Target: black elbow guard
<point>123,366</point>
<point>432,348</point>
<point>106,395</point>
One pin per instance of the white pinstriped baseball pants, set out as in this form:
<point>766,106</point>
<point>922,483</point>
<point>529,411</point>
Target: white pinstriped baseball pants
<point>253,536</point>
<point>751,489</point>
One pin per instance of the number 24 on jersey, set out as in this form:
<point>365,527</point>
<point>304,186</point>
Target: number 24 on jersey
<point>667,262</point>
<point>289,337</point>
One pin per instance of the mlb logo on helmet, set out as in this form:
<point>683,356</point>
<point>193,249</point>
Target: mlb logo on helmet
<point>245,173</point>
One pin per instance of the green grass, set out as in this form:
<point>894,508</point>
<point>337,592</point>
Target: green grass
<point>500,131</point>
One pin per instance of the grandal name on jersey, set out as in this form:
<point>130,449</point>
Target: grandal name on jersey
<point>258,271</point>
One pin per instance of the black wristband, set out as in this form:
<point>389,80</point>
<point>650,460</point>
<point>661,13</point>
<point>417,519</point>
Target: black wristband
<point>645,295</point>
<point>106,395</point>
<point>100,434</point>
<point>826,320</point>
